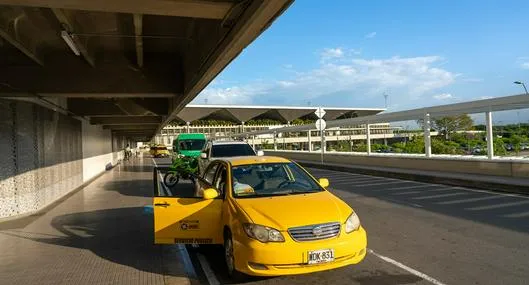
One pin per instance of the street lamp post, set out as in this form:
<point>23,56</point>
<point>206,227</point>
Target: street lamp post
<point>521,83</point>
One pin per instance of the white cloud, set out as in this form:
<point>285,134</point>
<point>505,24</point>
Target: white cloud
<point>350,79</point>
<point>356,51</point>
<point>371,35</point>
<point>443,96</point>
<point>285,83</point>
<point>523,62</point>
<point>231,95</point>
<point>331,53</point>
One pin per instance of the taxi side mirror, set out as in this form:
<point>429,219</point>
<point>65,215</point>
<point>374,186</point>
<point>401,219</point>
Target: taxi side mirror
<point>203,155</point>
<point>210,194</point>
<point>324,182</point>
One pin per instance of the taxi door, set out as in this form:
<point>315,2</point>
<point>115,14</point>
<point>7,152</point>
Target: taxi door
<point>183,216</point>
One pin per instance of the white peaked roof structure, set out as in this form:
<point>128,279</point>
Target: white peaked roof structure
<point>284,114</point>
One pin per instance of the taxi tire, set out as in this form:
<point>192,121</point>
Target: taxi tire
<point>236,276</point>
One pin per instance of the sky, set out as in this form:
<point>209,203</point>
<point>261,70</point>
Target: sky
<point>350,53</point>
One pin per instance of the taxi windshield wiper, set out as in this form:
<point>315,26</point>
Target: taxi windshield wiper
<point>305,191</point>
<point>261,195</point>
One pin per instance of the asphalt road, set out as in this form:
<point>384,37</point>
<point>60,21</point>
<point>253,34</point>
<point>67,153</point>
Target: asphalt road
<point>418,233</point>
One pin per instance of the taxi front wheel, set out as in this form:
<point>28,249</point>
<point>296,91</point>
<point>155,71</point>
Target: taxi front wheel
<point>229,257</point>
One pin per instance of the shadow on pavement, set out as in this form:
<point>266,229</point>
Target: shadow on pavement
<point>123,236</point>
<point>492,216</point>
<point>138,188</point>
<point>135,167</point>
<point>215,256</point>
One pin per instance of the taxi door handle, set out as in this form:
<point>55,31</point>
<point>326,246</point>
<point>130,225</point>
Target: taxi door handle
<point>164,204</point>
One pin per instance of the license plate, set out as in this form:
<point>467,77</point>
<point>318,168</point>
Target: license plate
<point>320,256</point>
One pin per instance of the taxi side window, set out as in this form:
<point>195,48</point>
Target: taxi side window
<point>210,173</point>
<point>220,180</point>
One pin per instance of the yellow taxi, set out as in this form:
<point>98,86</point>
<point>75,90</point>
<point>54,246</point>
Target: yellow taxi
<point>159,151</point>
<point>271,215</point>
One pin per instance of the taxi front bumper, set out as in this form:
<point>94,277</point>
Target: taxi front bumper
<point>290,257</point>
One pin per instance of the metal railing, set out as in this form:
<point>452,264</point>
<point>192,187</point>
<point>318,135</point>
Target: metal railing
<point>486,106</point>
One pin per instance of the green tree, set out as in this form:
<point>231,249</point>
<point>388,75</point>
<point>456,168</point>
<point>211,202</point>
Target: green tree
<point>267,145</point>
<point>450,124</point>
<point>343,146</point>
<point>499,147</point>
<point>516,142</point>
<point>440,146</point>
<point>360,147</point>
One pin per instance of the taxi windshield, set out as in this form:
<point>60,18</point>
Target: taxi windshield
<point>271,179</point>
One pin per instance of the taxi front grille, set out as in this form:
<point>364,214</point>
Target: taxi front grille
<point>314,232</point>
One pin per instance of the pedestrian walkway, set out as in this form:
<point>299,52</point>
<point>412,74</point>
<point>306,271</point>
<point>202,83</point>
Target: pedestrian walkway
<point>99,235</point>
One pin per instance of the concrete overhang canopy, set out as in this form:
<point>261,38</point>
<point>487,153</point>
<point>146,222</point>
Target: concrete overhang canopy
<point>284,114</point>
<point>163,51</point>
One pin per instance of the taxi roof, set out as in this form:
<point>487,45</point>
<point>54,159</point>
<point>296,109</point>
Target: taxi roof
<point>244,160</point>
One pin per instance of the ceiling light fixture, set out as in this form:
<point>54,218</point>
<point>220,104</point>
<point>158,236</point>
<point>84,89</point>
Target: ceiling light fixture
<point>69,41</point>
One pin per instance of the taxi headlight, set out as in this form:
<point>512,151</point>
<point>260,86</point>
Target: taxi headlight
<point>352,223</point>
<point>262,233</point>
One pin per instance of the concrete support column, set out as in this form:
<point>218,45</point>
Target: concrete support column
<point>368,139</point>
<point>490,137</point>
<point>188,130</point>
<point>242,127</point>
<point>309,141</point>
<point>253,142</point>
<point>275,141</point>
<point>427,137</point>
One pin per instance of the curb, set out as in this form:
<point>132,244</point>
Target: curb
<point>486,185</point>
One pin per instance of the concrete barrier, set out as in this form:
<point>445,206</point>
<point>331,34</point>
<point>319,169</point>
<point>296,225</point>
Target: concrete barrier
<point>499,175</point>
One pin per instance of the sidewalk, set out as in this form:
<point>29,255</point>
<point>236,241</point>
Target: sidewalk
<point>495,183</point>
<point>99,235</point>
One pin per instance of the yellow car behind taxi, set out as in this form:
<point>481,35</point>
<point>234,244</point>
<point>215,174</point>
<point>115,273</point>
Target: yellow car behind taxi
<point>271,215</point>
<point>159,151</point>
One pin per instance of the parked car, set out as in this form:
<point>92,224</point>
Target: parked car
<point>272,217</point>
<point>159,151</point>
<point>218,149</point>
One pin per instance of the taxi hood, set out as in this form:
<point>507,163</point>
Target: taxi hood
<point>283,212</point>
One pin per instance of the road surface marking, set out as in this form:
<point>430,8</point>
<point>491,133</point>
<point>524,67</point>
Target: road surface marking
<point>188,265</point>
<point>161,179</point>
<point>210,275</point>
<point>438,189</point>
<point>407,187</point>
<point>496,206</point>
<point>455,187</point>
<point>409,269</point>
<point>469,200</point>
<point>439,196</point>
<point>407,193</point>
<point>517,215</point>
<point>379,184</point>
